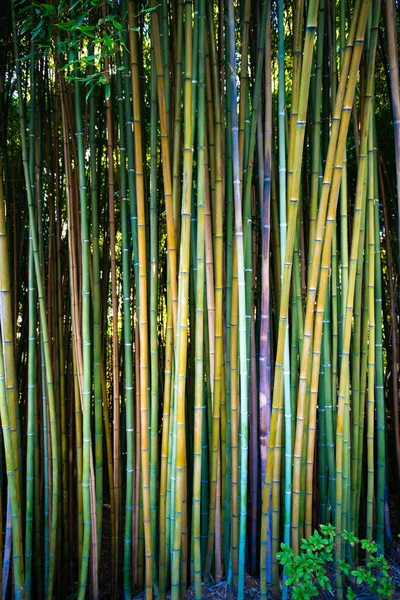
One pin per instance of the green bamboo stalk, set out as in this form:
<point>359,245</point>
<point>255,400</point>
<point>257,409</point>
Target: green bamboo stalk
<point>234,559</point>
<point>32,362</point>
<point>96,293</point>
<point>127,336</point>
<point>217,211</point>
<point>379,385</point>
<point>358,335</point>
<point>199,324</point>
<point>177,134</point>
<point>86,349</point>
<point>371,348</point>
<point>228,310</point>
<point>165,452</point>
<point>153,315</point>
<point>242,312</point>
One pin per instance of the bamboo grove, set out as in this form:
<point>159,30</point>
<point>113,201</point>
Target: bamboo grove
<point>199,283</point>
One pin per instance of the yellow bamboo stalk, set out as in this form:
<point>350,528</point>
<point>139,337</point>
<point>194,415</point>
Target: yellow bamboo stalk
<point>143,310</point>
<point>166,162</point>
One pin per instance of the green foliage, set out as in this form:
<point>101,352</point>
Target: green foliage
<point>311,571</point>
<point>78,33</point>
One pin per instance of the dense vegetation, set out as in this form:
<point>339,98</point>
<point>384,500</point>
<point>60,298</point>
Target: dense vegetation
<point>199,282</point>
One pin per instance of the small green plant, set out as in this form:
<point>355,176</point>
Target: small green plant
<point>310,572</point>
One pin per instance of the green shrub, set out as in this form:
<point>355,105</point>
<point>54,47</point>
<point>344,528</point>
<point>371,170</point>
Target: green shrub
<point>310,571</point>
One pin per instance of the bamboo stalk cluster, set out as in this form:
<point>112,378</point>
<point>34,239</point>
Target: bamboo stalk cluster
<point>199,251</point>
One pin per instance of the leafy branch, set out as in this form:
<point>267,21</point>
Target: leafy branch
<point>308,573</point>
<point>69,28</point>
